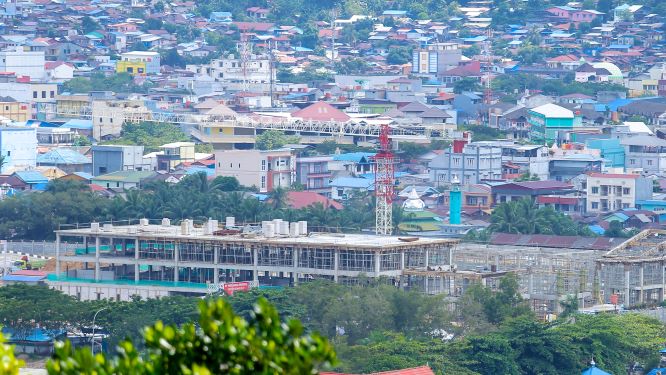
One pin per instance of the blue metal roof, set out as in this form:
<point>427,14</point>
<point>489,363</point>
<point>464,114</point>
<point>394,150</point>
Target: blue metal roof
<point>594,370</point>
<point>596,229</point>
<point>23,279</point>
<point>355,157</point>
<point>352,182</point>
<point>661,370</point>
<point>31,177</point>
<point>78,124</point>
<point>62,156</point>
<point>84,175</point>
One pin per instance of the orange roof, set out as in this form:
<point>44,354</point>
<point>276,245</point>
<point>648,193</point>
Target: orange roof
<point>301,199</point>
<point>321,111</point>
<point>613,175</point>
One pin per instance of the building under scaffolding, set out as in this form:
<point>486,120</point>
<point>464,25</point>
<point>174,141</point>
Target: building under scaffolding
<point>157,259</point>
<point>633,273</point>
<point>547,275</point>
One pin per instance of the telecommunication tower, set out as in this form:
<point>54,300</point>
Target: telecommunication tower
<point>487,47</point>
<point>245,56</point>
<point>384,179</point>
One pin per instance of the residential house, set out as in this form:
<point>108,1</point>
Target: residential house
<point>139,62</point>
<point>352,163</point>
<point>66,159</point>
<point>567,167</point>
<point>14,110</point>
<point>173,154</point>
<point>513,191</point>
<point>22,63</point>
<point>59,71</point>
<point>264,169</point>
<point>645,153</point>
<point>470,163</point>
<point>33,180</point>
<point>313,174</point>
<point>343,188</point>
<point>612,192</point>
<point>304,199</point>
<point>122,180</point>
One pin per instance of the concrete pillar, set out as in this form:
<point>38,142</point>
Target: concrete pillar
<point>641,283</point>
<point>294,274</point>
<point>175,262</point>
<point>378,262</point>
<point>255,260</point>
<point>530,284</point>
<point>136,260</point>
<point>627,273</point>
<point>57,254</point>
<point>425,284</point>
<point>402,260</point>
<point>97,254</point>
<point>452,285</point>
<point>336,265</point>
<point>441,284</point>
<point>427,256</point>
<point>663,282</point>
<point>216,260</point>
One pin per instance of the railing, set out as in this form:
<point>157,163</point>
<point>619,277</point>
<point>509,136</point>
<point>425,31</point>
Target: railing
<point>41,248</point>
<point>166,284</point>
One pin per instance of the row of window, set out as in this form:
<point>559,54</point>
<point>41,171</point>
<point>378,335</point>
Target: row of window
<point>35,94</point>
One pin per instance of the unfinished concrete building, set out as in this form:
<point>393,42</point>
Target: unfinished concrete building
<point>633,273</point>
<point>550,269</point>
<point>157,259</point>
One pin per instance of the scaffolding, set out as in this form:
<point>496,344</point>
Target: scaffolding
<point>633,273</point>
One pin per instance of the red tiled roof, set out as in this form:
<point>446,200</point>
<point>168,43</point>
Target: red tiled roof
<point>254,26</point>
<point>543,199</point>
<point>321,111</point>
<point>301,199</point>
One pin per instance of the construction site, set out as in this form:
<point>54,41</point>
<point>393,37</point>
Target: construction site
<point>156,259</point>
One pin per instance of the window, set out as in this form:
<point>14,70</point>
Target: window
<point>6,108</point>
<point>625,205</point>
<point>626,191</point>
<point>117,184</point>
<point>649,162</point>
<point>263,182</point>
<point>632,161</point>
<point>111,120</point>
<point>470,161</point>
<point>9,153</point>
<point>34,94</point>
<point>238,165</point>
<point>263,165</point>
<point>595,205</point>
<point>43,94</point>
<point>595,190</point>
<point>231,165</point>
<point>100,119</point>
<point>52,94</point>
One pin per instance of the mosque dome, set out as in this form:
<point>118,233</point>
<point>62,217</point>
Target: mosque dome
<point>413,202</point>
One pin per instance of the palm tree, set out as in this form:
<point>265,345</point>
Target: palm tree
<point>278,198</point>
<point>3,162</point>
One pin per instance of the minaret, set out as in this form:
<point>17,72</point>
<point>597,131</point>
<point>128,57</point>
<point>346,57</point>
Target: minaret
<point>455,201</point>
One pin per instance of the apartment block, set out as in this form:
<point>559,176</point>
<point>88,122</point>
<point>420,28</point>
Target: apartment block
<point>470,163</point>
<point>265,169</point>
<point>611,192</point>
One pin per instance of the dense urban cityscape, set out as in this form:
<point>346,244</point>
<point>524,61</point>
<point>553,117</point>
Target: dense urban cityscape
<point>333,186</point>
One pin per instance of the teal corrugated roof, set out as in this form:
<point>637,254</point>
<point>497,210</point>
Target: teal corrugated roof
<point>31,177</point>
<point>62,156</point>
<point>355,157</point>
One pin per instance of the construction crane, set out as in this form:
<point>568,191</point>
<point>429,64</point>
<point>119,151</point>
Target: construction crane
<point>384,188</point>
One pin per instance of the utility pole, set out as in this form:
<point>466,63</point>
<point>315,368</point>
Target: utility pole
<point>271,65</point>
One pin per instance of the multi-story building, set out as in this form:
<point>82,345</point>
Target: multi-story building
<point>159,259</point>
<point>108,116</point>
<point>435,59</point>
<point>234,74</point>
<point>611,192</point>
<point>113,158</point>
<point>72,105</point>
<point>23,63</point>
<point>313,173</point>
<point>139,62</point>
<point>265,169</point>
<point>470,163</point>
<point>173,154</point>
<point>644,153</point>
<point>18,147</point>
<point>14,110</point>
<point>548,120</point>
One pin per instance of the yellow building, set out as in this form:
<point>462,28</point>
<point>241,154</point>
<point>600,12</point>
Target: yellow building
<point>131,67</point>
<point>71,105</point>
<point>14,110</point>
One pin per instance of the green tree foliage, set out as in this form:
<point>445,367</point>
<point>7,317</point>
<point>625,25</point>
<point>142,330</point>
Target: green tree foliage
<point>522,216</point>
<point>9,364</point>
<point>351,65</point>
<point>121,82</point>
<point>150,134</point>
<point>466,85</point>
<point>89,25</point>
<point>274,139</point>
<point>484,133</point>
<point>399,55</point>
<point>511,83</point>
<point>221,342</point>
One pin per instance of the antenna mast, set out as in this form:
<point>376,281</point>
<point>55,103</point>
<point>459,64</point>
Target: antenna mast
<point>488,92</point>
<point>384,180</point>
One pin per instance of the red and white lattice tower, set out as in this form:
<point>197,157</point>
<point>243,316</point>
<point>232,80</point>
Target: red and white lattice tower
<point>384,180</point>
<point>245,51</point>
